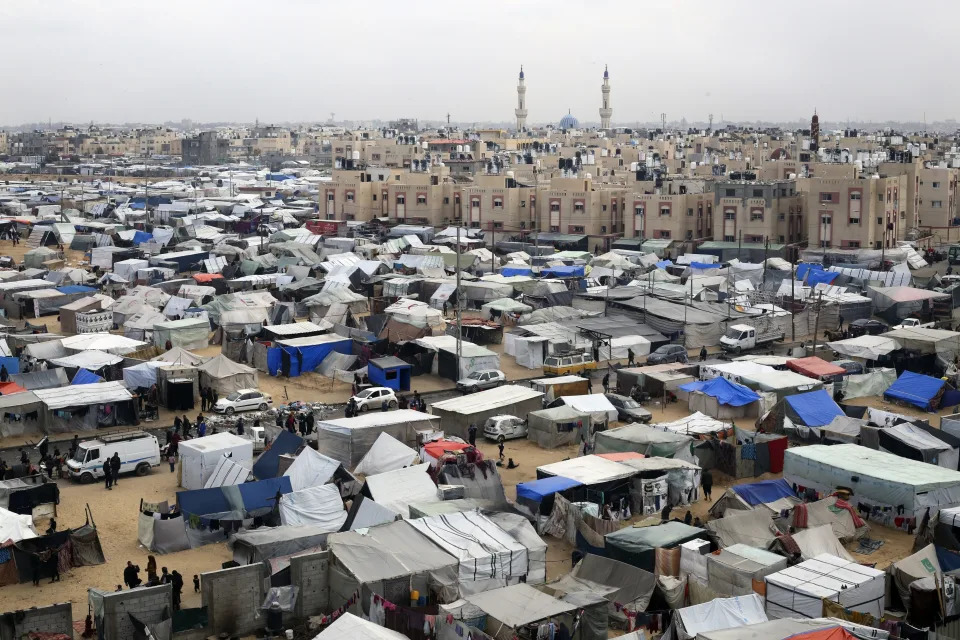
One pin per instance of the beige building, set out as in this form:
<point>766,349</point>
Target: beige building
<point>855,213</point>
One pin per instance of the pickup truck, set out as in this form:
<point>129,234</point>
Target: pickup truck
<point>914,323</point>
<point>743,337</point>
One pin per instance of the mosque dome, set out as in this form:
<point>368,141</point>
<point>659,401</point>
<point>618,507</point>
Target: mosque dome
<point>569,122</point>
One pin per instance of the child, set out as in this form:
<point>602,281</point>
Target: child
<point>196,583</point>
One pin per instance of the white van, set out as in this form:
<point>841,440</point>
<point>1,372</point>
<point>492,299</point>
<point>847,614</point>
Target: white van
<point>138,452</point>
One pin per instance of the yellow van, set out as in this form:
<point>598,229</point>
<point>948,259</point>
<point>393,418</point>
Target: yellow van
<point>564,364</point>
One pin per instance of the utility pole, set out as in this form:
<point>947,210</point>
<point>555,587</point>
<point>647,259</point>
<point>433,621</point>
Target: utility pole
<point>740,245</point>
<point>793,301</point>
<point>766,245</point>
<point>458,308</point>
<point>816,324</point>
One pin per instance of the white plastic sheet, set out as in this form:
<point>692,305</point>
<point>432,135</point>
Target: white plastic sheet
<point>386,454</point>
<point>319,506</point>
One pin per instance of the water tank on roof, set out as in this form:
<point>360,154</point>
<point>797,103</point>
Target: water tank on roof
<point>356,155</point>
<point>466,148</point>
<point>425,145</point>
<point>459,148</point>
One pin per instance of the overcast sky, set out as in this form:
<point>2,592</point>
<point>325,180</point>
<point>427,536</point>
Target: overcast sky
<point>300,60</point>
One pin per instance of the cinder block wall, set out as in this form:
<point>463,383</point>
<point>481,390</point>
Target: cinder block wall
<point>54,618</point>
<point>310,573</point>
<point>146,604</point>
<point>233,598</point>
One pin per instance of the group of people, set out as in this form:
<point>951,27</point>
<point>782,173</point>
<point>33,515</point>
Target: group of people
<point>208,398</point>
<point>111,471</point>
<point>131,578</point>
<point>183,424</point>
<point>293,421</point>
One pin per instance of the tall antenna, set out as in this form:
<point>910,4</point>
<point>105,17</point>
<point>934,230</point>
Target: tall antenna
<point>448,118</point>
<point>663,122</point>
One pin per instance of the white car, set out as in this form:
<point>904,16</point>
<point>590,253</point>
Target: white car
<point>505,427</point>
<point>372,399</point>
<point>244,400</point>
<point>480,380</point>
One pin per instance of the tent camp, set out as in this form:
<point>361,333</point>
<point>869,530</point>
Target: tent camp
<point>397,489</point>
<point>256,545</point>
<point>320,506</point>
<point>866,347</point>
<point>645,440</point>
<point>917,389</point>
<point>386,454</point>
<point>812,542</point>
<point>350,627</point>
<point>638,545</point>
<point>295,356</point>
<point>106,342</point>
<point>86,407</point>
<point>881,479</point>
<point>349,439</point>
<point>161,530</point>
<point>733,570</point>
<point>590,470</point>
<point>624,586</point>
<point>313,469</point>
<point>722,613</point>
<point>200,456</point>
<point>754,528</point>
<point>189,333</point>
<point>458,413</point>
<point>776,495</point>
<point>536,496</point>
<point>925,445</point>
<point>511,608</point>
<point>559,426</point>
<point>180,356</point>
<point>799,591</point>
<point>225,376</point>
<point>722,399</point>
<point>601,410</point>
<point>816,368</point>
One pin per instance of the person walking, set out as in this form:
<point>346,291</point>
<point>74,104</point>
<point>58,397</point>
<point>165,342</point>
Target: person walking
<point>310,422</point>
<point>629,357</point>
<point>589,385</point>
<point>131,575</point>
<point>472,434</point>
<point>152,568</point>
<point>291,422</point>
<point>703,353</point>
<point>706,481</point>
<point>107,474</point>
<point>840,323</point>
<point>186,426</point>
<point>240,426</point>
<point>165,577</point>
<point>115,467</point>
<point>4,374</point>
<point>201,428</point>
<point>606,383</point>
<point>177,581</point>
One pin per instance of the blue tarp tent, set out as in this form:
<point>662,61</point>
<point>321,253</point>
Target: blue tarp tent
<point>84,376</point>
<point>726,392</point>
<point>821,277</point>
<point>201,501</point>
<point>917,389</point>
<point>516,271</point>
<point>704,265</point>
<point>663,264</point>
<point>11,363</point>
<point>764,491</point>
<point>142,236</point>
<point>537,490</point>
<point>268,463</point>
<point>262,494</point>
<point>252,495</point>
<point>562,271</point>
<point>389,372</point>
<point>803,269</point>
<point>304,354</point>
<point>815,408</point>
<point>75,288</point>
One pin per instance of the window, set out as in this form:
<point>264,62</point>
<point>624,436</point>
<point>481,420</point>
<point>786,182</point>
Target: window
<point>374,197</point>
<point>554,228</point>
<point>638,210</point>
<point>826,219</point>
<point>729,239</point>
<point>576,229</point>
<point>826,197</point>
<point>523,204</point>
<point>756,216</point>
<point>330,196</point>
<point>578,207</point>
<point>936,204</point>
<point>421,198</point>
<point>350,197</point>
<point>689,235</point>
<point>855,195</point>
<point>446,199</point>
<point>731,193</point>
<point>729,215</point>
<point>375,157</point>
<point>758,193</point>
<point>498,203</point>
<point>879,220</point>
<point>780,239</point>
<point>936,185</point>
<point>854,220</point>
<point>555,207</point>
<point>879,197</point>
<point>664,211</point>
<point>498,225</point>
<point>604,208</point>
<point>690,212</point>
<point>664,234</point>
<point>603,229</point>
<point>397,177</point>
<point>781,216</point>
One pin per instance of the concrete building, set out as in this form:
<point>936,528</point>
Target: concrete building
<point>204,149</point>
<point>863,212</point>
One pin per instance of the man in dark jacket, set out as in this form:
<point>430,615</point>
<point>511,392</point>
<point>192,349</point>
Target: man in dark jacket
<point>115,466</point>
<point>107,474</point>
<point>706,481</point>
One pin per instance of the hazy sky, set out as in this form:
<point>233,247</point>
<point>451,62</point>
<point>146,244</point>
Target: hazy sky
<point>300,60</point>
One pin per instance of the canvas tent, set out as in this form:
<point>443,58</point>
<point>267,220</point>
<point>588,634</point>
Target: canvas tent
<point>813,542</point>
<point>320,506</point>
<point>776,495</point>
<point>866,347</point>
<point>597,405</point>
<point>199,457</point>
<point>510,608</point>
<point>882,479</point>
<point>645,440</point>
<point>180,356</point>
<point>349,439</point>
<point>799,591</point>
<point>257,545</point>
<point>559,426</point>
<point>86,407</point>
<point>754,527</point>
<point>733,570</point>
<point>386,454</point>
<point>225,376</point>
<point>914,442</point>
<point>161,530</point>
<point>721,613</point>
<point>917,389</point>
<point>638,545</point>
<point>458,413</point>
<point>312,469</point>
<point>188,333</point>
<point>397,489</point>
<point>624,586</point>
<point>350,627</point>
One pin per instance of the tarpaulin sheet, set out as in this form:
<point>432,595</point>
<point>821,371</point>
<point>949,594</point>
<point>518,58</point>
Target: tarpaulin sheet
<point>818,277</point>
<point>722,613</point>
<point>815,367</point>
<point>724,391</point>
<point>311,469</point>
<point>915,388</point>
<point>320,506</point>
<point>516,271</point>
<point>268,464</point>
<point>262,494</point>
<point>815,408</point>
<point>83,376</point>
<point>562,271</point>
<point>764,491</point>
<point>537,490</point>
<point>201,501</point>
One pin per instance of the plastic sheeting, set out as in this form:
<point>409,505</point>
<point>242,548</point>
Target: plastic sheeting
<point>815,408</point>
<point>311,469</point>
<point>733,571</point>
<point>722,613</point>
<point>917,389</point>
<point>754,528</point>
<point>227,473</point>
<point>799,591</point>
<point>320,506</point>
<point>866,346</point>
<point>386,454</point>
<point>351,627</point>
<point>873,383</point>
<point>397,489</point>
<point>349,439</point>
<point>15,527</point>
<point>724,391</point>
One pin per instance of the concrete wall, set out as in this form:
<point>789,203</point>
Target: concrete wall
<point>310,573</point>
<point>54,618</point>
<point>233,598</point>
<point>146,604</point>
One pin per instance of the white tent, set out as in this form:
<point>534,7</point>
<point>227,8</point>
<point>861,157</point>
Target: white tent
<point>15,527</point>
<point>106,342</point>
<point>397,489</point>
<point>350,627</point>
<point>319,506</point>
<point>721,613</point>
<point>142,375</point>
<point>181,356</point>
<point>225,375</point>
<point>867,347</point>
<point>227,473</point>
<point>311,469</point>
<point>386,454</point>
<point>199,457</point>
<point>91,360</point>
<point>600,409</point>
<point>799,591</point>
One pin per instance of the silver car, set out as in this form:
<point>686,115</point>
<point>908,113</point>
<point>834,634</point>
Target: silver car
<point>504,427</point>
<point>480,380</point>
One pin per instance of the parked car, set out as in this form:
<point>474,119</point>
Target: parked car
<point>914,323</point>
<point>668,353</point>
<point>139,452</point>
<point>373,398</point>
<point>628,409</point>
<point>244,400</point>
<point>480,380</point>
<point>564,364</point>
<point>504,427</point>
<point>866,326</point>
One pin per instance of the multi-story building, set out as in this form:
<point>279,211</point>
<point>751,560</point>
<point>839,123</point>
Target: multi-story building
<point>862,212</point>
<point>205,148</point>
<point>754,212</point>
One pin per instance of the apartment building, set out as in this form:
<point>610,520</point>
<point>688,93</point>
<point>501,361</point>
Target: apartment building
<point>937,197</point>
<point>680,211</point>
<point>862,212</point>
<point>577,205</point>
<point>757,212</point>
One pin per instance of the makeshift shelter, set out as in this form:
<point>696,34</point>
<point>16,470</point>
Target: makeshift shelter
<point>457,414</point>
<point>916,443</point>
<point>622,585</point>
<point>917,389</point>
<point>320,506</point>
<point>313,469</point>
<point>258,545</point>
<point>200,456</point>
<point>659,480</point>
<point>189,333</point>
<point>733,570</point>
<point>15,527</point>
<point>880,479</point>
<point>351,627</point>
<point>389,372</point>
<point>805,413</point>
<point>140,325</point>
<point>161,530</point>
<point>86,407</point>
<point>106,342</point>
<point>472,358</point>
<point>592,471</point>
<point>816,368</point>
<point>349,439</point>
<point>904,572</point>
<point>536,496</point>
<point>799,591</point>
<point>722,613</point>
<point>560,386</point>
<point>267,464</point>
<point>645,440</point>
<point>719,398</point>
<point>697,425</point>
<point>180,356</point>
<point>601,410</point>
<point>225,376</point>
<point>512,608</point>
<point>776,495</point>
<point>638,545</point>
<point>386,454</point>
<point>865,347</point>
<point>58,551</point>
<point>754,528</point>
<point>20,413</point>
<point>559,426</point>
<point>748,454</point>
<point>874,382</point>
<point>397,489</point>
<point>520,529</point>
<point>295,356</point>
<point>487,555</point>
<point>925,340</point>
<point>227,473</point>
<point>812,542</point>
<point>139,376</point>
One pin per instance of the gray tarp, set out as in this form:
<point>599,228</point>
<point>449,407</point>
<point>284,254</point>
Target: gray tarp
<point>552,428</point>
<point>349,439</point>
<point>732,571</point>
<point>646,440</point>
<point>254,546</point>
<point>617,581</point>
<point>754,528</point>
<point>873,383</point>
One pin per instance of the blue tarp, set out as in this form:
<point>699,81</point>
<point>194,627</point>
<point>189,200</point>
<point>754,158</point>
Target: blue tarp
<point>726,392</point>
<point>764,491</point>
<point>278,177</point>
<point>802,269</point>
<point>307,358</point>
<point>75,288</point>
<point>663,264</point>
<point>84,376</point>
<point>201,501</point>
<point>949,560</point>
<point>11,363</point>
<point>268,463</point>
<point>821,277</point>
<point>562,271</point>
<point>260,495</point>
<point>537,490</point>
<point>915,388</point>
<point>704,265</point>
<point>142,236</point>
<point>815,408</point>
<point>516,271</point>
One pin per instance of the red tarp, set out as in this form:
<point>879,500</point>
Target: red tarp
<point>438,447</point>
<point>6,388</point>
<point>814,367</point>
<point>621,456</point>
<point>207,277</point>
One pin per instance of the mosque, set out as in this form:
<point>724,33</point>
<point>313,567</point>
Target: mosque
<point>568,121</point>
